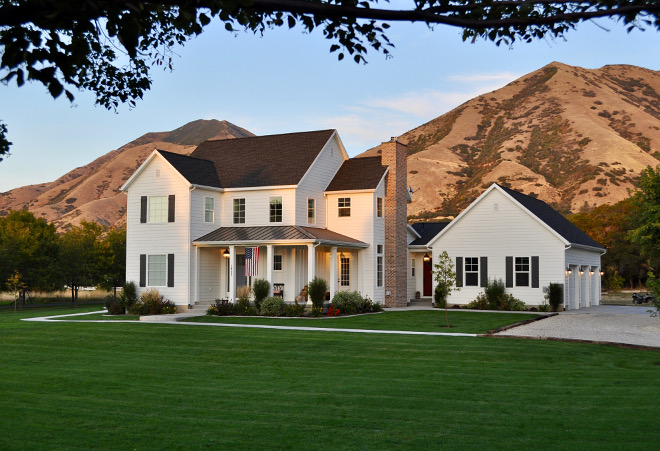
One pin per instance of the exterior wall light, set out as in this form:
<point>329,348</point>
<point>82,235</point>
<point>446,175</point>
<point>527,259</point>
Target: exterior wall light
<point>581,271</point>
<point>427,257</point>
<point>226,253</point>
<point>569,271</point>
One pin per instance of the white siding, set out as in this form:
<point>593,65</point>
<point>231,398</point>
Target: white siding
<point>160,238</point>
<point>257,207</point>
<point>582,290</point>
<point>496,228</point>
<point>314,183</point>
<point>210,275</point>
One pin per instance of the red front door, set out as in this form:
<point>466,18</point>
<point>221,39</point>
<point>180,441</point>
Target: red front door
<point>428,278</point>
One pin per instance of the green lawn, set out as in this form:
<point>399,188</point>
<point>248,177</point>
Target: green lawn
<point>143,386</point>
<point>420,320</point>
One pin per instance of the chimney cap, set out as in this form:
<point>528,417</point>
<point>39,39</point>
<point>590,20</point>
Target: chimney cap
<point>393,138</point>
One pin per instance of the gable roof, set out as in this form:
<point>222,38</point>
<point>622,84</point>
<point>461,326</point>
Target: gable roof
<point>552,218</point>
<point>272,160</point>
<point>426,231</point>
<point>358,174</point>
<point>544,213</point>
<point>195,170</point>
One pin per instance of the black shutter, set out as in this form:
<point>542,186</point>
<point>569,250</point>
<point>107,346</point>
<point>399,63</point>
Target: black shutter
<point>170,208</point>
<point>484,271</point>
<point>535,272</point>
<point>170,270</point>
<point>143,270</point>
<point>143,209</point>
<point>459,271</point>
<point>509,272</point>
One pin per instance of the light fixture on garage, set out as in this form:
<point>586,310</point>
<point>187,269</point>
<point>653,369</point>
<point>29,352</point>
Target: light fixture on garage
<point>581,271</point>
<point>602,273</point>
<point>592,271</point>
<point>427,257</point>
<point>569,271</point>
<point>226,253</point>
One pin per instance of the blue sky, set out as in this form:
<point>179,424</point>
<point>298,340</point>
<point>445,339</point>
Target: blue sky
<point>287,81</point>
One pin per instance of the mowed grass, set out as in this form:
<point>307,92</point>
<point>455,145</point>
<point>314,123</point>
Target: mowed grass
<point>419,321</point>
<point>143,386</point>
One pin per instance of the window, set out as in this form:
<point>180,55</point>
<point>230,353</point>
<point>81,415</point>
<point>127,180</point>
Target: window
<point>156,270</point>
<point>311,211</point>
<point>276,209</point>
<point>344,204</point>
<point>471,271</point>
<point>379,265</point>
<point>239,211</point>
<point>208,209</point>
<point>412,266</point>
<point>345,271</point>
<point>158,209</point>
<point>522,271</point>
<point>379,207</point>
<point>277,262</point>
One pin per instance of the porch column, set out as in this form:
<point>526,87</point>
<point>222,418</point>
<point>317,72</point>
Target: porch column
<point>311,262</point>
<point>197,260</point>
<point>232,273</point>
<point>360,273</point>
<point>333,272</point>
<point>269,268</point>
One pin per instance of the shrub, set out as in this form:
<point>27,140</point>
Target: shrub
<point>440,295</point>
<point>221,307</point>
<point>480,303</point>
<point>316,291</point>
<point>272,307</point>
<point>128,295</point>
<point>346,302</point>
<point>316,311</point>
<point>508,302</point>
<point>261,288</point>
<point>152,303</point>
<point>243,293</point>
<point>333,311</point>
<point>376,307</point>
<point>495,292</point>
<point>544,307</point>
<point>555,296</point>
<point>114,306</point>
<point>294,309</point>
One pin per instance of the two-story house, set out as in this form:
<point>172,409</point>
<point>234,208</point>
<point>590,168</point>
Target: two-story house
<point>285,208</point>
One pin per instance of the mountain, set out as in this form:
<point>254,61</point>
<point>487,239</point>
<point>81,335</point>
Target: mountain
<point>573,137</point>
<point>91,192</point>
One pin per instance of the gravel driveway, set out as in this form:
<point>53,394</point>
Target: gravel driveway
<point>607,323</point>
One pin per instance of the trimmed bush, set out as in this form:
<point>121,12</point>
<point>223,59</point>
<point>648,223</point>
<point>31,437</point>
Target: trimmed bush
<point>152,303</point>
<point>294,309</point>
<point>260,288</point>
<point>555,296</point>
<point>114,306</point>
<point>128,295</point>
<point>272,307</point>
<point>480,303</point>
<point>440,296</point>
<point>495,292</point>
<point>221,307</point>
<point>316,291</point>
<point>352,302</point>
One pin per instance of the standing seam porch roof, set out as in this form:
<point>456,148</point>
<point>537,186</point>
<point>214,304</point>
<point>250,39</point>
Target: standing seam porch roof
<point>277,233</point>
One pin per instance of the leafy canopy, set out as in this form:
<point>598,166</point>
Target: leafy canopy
<point>108,46</point>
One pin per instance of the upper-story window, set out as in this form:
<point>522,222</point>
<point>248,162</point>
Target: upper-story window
<point>158,209</point>
<point>239,211</point>
<point>209,210</point>
<point>311,211</point>
<point>379,207</point>
<point>344,204</point>
<point>276,209</point>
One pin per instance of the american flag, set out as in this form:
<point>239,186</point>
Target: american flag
<point>251,261</point>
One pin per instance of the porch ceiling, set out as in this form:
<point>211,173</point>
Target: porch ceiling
<point>277,235</point>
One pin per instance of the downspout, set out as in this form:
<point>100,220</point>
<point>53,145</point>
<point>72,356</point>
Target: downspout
<point>192,188</point>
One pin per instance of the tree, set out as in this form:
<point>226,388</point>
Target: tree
<point>28,253</point>
<point>78,257</point>
<point>445,277</point>
<point>111,260</point>
<point>647,221</point>
<point>108,46</point>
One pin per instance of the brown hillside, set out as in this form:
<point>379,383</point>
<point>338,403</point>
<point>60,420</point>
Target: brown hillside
<point>573,137</point>
<point>92,193</point>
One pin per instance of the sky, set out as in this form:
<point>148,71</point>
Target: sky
<point>286,81</point>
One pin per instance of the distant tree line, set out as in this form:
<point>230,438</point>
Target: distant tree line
<point>34,257</point>
<point>630,231</point>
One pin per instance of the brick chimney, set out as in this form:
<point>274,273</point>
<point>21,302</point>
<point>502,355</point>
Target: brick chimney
<point>394,155</point>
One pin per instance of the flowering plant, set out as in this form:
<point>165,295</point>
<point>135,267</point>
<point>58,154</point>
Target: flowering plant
<point>332,311</point>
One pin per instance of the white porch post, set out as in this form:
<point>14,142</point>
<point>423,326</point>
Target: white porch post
<point>197,259</point>
<point>311,262</point>
<point>232,274</point>
<point>333,272</point>
<point>269,268</point>
<point>360,273</point>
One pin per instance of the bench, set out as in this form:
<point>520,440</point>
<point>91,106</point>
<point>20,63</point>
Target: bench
<point>278,290</point>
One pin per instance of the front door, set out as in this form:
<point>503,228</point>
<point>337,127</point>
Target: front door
<point>428,278</point>
<point>241,279</point>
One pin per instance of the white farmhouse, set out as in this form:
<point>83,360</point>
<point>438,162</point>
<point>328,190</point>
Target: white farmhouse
<point>507,235</point>
<point>285,208</point>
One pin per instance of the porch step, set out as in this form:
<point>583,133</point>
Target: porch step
<point>420,303</point>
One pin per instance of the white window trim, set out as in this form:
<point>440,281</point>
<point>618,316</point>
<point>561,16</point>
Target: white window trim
<point>165,216</point>
<point>233,211</point>
<point>345,207</point>
<point>281,262</point>
<point>270,206</point>
<point>412,267</point>
<point>212,210</point>
<point>528,272</point>
<point>466,272</point>
<point>313,219</point>
<point>382,207</point>
<point>149,256</point>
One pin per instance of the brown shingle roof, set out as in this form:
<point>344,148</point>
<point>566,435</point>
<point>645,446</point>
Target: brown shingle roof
<point>272,160</point>
<point>196,171</point>
<point>358,173</point>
